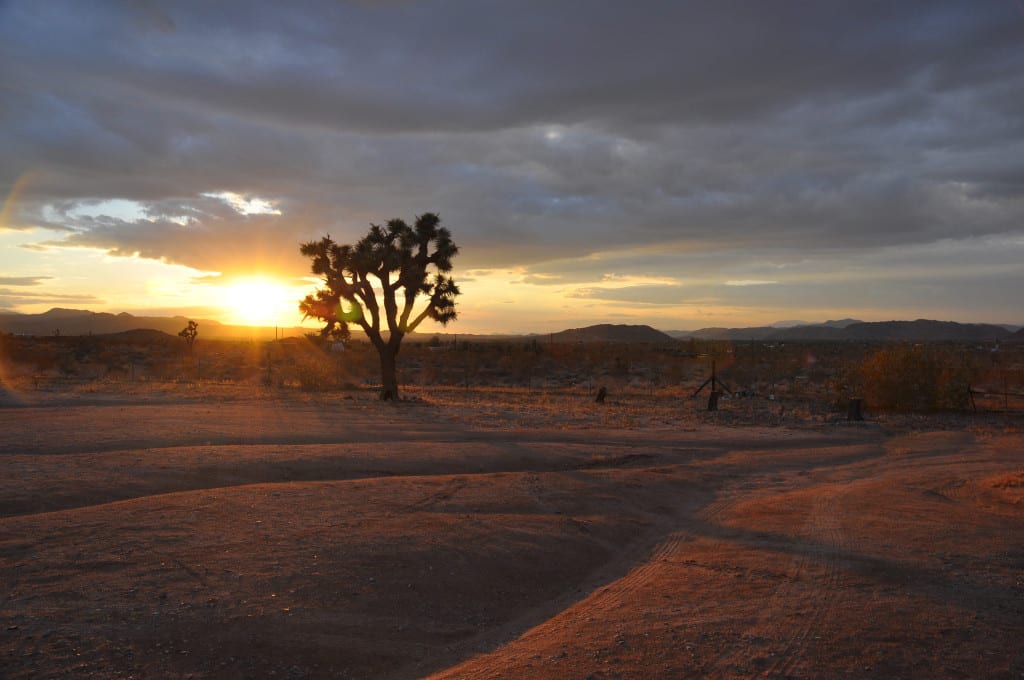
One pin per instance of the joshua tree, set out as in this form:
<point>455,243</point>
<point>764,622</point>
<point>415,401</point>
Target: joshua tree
<point>405,261</point>
<point>189,333</point>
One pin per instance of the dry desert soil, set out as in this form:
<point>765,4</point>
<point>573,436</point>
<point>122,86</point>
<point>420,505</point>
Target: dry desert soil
<point>232,534</point>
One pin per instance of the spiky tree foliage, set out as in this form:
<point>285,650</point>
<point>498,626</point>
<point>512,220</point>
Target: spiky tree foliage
<point>189,334</point>
<point>374,285</point>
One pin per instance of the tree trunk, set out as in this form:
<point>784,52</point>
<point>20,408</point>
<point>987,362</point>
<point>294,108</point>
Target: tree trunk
<point>388,372</point>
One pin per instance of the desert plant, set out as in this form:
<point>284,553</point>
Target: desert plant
<point>316,373</point>
<point>189,334</point>
<point>915,378</point>
<point>406,261</point>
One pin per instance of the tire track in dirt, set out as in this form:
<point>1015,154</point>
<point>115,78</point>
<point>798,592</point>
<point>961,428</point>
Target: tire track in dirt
<point>804,600</point>
<point>450,488</point>
<point>823,528</point>
<point>594,595</point>
<point>725,663</point>
<point>951,491</point>
<point>642,562</point>
<point>102,478</point>
<point>612,588</point>
<point>647,565</point>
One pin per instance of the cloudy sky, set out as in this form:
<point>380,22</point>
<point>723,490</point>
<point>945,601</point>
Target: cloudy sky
<point>680,164</point>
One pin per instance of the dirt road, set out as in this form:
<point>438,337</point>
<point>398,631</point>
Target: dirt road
<point>254,537</point>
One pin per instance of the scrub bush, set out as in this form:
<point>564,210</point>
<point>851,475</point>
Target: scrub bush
<point>915,379</point>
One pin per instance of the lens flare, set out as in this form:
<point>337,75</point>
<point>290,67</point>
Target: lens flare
<point>8,205</point>
<point>354,315</point>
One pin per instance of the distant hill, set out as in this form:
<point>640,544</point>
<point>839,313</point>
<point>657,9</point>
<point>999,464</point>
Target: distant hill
<point>921,330</point>
<point>753,333</point>
<point>925,330</point>
<point>810,333</point>
<point>1017,337</point>
<point>611,333</point>
<point>841,323</point>
<point>143,336</point>
<point>82,322</point>
<point>778,330</point>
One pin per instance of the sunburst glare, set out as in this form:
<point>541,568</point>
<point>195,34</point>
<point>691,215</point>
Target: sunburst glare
<point>258,301</point>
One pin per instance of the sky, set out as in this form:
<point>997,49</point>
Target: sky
<point>678,164</point>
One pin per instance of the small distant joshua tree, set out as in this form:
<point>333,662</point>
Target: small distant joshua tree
<point>189,333</point>
<point>398,262</point>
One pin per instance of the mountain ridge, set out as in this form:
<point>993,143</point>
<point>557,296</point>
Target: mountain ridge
<point>919,330</point>
<point>607,332</point>
<point>64,321</point>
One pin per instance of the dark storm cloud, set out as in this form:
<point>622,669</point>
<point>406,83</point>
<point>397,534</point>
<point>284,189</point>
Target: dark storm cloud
<point>540,131</point>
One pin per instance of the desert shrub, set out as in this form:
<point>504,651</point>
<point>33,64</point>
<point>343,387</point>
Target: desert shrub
<point>67,365</point>
<point>316,373</point>
<point>915,378</point>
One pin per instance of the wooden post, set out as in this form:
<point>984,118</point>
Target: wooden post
<point>715,394</point>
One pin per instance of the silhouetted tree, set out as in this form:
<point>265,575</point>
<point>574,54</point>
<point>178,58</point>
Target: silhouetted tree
<point>398,262</point>
<point>189,333</point>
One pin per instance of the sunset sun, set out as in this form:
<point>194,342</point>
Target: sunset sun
<point>258,301</point>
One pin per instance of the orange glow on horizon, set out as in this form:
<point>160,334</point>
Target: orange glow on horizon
<point>260,301</point>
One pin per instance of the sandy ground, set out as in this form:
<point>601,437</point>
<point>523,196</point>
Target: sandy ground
<point>232,535</point>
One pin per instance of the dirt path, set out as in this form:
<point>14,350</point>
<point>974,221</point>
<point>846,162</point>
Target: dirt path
<point>267,538</point>
<point>845,570</point>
